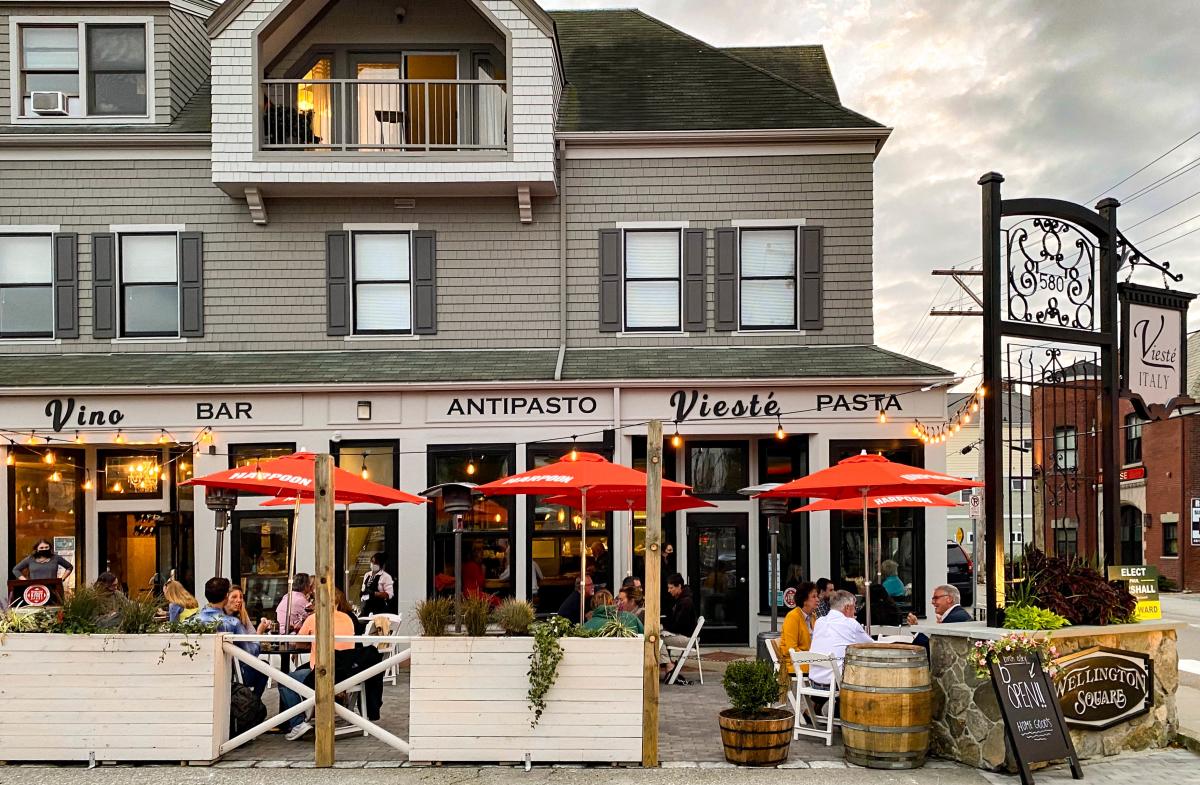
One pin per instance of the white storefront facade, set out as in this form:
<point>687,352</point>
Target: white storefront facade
<point>105,487</point>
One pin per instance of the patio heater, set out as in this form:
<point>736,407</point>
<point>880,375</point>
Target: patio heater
<point>222,501</point>
<point>774,509</point>
<point>456,500</point>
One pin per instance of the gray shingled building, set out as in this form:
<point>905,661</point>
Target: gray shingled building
<point>445,241</point>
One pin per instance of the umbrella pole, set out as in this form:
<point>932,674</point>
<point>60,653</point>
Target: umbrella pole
<point>629,528</point>
<point>287,619</point>
<point>583,559</point>
<point>866,559</point>
<point>879,544</point>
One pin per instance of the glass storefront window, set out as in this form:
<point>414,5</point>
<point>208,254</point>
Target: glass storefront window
<point>374,461</point>
<point>717,470</point>
<point>781,461</point>
<point>555,541</point>
<point>249,455</point>
<point>45,501</point>
<point>262,541</point>
<point>487,546</point>
<point>130,474</point>
<point>670,462</point>
<point>186,495</point>
<point>146,549</point>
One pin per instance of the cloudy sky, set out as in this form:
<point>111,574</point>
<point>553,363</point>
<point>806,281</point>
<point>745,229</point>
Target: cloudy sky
<point>1066,99</point>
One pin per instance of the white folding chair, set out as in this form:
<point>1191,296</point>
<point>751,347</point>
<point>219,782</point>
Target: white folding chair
<point>808,720</point>
<point>356,699</point>
<point>773,649</point>
<point>386,624</point>
<point>693,645</point>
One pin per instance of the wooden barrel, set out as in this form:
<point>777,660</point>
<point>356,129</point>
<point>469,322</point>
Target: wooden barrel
<point>757,742</point>
<point>885,705</point>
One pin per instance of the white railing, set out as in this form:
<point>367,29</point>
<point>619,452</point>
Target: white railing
<point>306,693</point>
<point>401,115</point>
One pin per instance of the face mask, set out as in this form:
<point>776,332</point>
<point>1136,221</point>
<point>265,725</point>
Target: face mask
<point>375,568</point>
<point>43,554</point>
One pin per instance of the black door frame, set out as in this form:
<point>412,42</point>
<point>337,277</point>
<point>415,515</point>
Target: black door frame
<point>390,521</point>
<point>740,521</point>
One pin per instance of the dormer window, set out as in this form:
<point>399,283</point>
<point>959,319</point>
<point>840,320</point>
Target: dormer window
<point>95,71</point>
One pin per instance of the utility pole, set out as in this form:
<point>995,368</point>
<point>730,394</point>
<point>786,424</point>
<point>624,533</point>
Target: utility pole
<point>323,648</point>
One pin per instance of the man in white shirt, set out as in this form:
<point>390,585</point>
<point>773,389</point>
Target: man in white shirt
<point>832,634</point>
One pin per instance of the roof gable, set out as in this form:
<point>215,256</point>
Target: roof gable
<point>805,65</point>
<point>627,71</point>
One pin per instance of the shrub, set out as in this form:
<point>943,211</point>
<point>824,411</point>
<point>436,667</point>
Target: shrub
<point>1074,590</point>
<point>138,616</point>
<point>514,616</point>
<point>434,615</point>
<point>751,686</point>
<point>476,612</point>
<point>1029,617</point>
<point>81,613</point>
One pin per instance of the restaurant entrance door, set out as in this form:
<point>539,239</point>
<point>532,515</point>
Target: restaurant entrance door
<point>718,564</point>
<point>369,532</point>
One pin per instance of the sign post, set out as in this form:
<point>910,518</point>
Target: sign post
<point>1033,719</point>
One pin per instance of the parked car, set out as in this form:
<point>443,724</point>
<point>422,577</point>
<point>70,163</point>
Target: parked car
<point>960,572</point>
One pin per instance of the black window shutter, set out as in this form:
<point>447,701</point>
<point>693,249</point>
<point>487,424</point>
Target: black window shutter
<point>66,285</point>
<point>337,283</point>
<point>191,284</point>
<point>812,274</point>
<point>695,301</point>
<point>727,279</point>
<point>610,281</point>
<point>104,285</point>
<point>424,283</point>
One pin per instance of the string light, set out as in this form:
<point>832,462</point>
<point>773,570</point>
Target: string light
<point>78,438</point>
<point>55,476</point>
<point>676,439</point>
<point>882,417</point>
<point>574,450</point>
<point>48,458</point>
<point>87,480</point>
<point>258,472</point>
<point>206,436</point>
<point>364,473</point>
<point>119,438</point>
<point>32,440</point>
<point>470,465</point>
<point>162,436</point>
<point>10,460</point>
<point>780,434</point>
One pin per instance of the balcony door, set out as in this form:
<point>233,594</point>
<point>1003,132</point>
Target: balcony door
<point>392,115</point>
<point>431,109</point>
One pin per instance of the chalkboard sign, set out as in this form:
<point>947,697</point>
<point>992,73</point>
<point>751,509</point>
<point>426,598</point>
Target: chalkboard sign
<point>1033,718</point>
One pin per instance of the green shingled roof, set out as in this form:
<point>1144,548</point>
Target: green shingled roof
<point>807,66</point>
<point>627,71</point>
<point>434,366</point>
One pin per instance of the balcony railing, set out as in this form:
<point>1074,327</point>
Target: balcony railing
<point>403,115</point>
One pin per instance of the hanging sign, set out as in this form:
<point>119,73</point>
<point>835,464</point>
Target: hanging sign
<point>1142,582</point>
<point>1195,521</point>
<point>1154,348</point>
<point>1032,717</point>
<point>1101,687</point>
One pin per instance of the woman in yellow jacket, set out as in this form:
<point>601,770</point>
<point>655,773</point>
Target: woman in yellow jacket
<point>797,629</point>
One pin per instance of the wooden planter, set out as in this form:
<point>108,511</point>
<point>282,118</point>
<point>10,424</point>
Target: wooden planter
<point>468,701</point>
<point>763,741</point>
<point>114,697</point>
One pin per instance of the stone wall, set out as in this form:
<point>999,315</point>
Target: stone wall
<point>967,725</point>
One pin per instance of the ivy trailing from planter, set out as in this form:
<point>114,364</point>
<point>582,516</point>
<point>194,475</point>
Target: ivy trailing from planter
<point>543,662</point>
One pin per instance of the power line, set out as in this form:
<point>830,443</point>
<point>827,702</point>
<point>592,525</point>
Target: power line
<point>1160,182</point>
<point>1144,168</point>
<point>1160,212</point>
<point>1169,228</point>
<point>1173,239</point>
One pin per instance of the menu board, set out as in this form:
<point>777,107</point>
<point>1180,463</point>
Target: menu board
<point>1033,718</point>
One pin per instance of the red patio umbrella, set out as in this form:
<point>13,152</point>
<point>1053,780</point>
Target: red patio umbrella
<point>293,478</point>
<point>862,475</point>
<point>880,503</point>
<point>577,472</point>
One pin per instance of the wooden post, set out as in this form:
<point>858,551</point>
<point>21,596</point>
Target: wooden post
<point>323,648</point>
<point>653,585</point>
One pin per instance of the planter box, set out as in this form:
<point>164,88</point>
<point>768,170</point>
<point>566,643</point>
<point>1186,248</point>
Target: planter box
<point>117,697</point>
<point>467,701</point>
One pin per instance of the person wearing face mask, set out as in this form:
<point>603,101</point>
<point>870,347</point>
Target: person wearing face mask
<point>42,564</point>
<point>378,589</point>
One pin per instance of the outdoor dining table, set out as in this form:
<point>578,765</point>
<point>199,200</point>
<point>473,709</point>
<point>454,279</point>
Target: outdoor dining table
<point>285,651</point>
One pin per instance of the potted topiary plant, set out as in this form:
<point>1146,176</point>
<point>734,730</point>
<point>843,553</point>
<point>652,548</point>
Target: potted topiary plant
<point>753,733</point>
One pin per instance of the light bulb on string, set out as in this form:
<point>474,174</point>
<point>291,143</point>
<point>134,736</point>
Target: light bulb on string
<point>982,391</point>
<point>206,436</point>
<point>882,417</point>
<point>119,438</point>
<point>574,449</point>
<point>162,436</point>
<point>676,439</point>
<point>78,437</point>
<point>366,475</point>
<point>87,480</point>
<point>48,458</point>
<point>470,466</point>
<point>974,406</point>
<point>780,434</point>
<point>32,440</point>
<point>258,472</point>
<point>55,476</point>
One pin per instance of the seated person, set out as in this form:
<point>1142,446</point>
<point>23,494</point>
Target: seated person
<point>797,629</point>
<point>946,608</point>
<point>216,594</point>
<point>605,609</point>
<point>570,606</point>
<point>832,634</point>
<point>631,600</point>
<point>883,608</point>
<point>681,623</point>
<point>343,625</point>
<point>891,579</point>
<point>181,605</point>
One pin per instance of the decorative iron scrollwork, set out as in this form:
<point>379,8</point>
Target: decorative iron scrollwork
<point>1051,274</point>
<point>1134,258</point>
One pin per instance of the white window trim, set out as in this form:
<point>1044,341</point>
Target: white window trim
<point>379,228</point>
<point>766,223</point>
<point>16,93</point>
<point>118,230</point>
<point>662,226</point>
<point>50,229</point>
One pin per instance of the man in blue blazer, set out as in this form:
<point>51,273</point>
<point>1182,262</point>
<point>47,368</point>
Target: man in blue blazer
<point>946,606</point>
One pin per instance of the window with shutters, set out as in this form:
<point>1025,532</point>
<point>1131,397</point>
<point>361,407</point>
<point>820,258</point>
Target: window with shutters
<point>87,70</point>
<point>26,286</point>
<point>382,274</point>
<point>652,279</point>
<point>767,279</point>
<point>149,284</point>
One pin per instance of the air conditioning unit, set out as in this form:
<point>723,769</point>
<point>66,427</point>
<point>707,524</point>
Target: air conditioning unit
<point>48,103</point>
